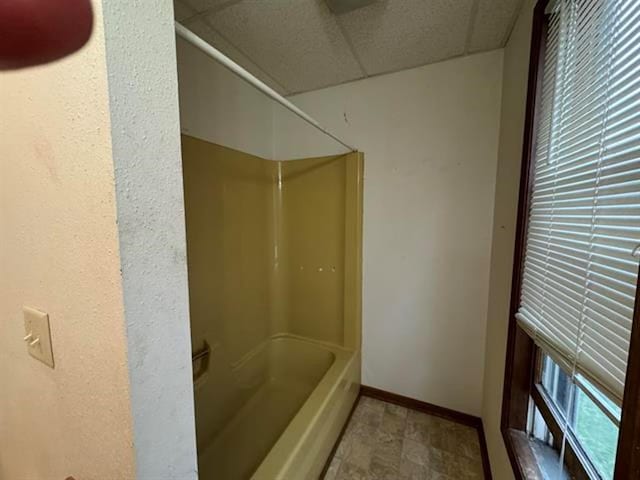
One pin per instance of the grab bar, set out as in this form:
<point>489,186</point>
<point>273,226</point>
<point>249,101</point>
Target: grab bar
<point>200,362</point>
<point>202,353</point>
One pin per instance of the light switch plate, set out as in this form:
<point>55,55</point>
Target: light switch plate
<point>38,335</point>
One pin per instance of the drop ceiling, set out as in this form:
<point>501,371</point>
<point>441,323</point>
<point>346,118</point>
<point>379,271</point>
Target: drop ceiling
<point>300,45</point>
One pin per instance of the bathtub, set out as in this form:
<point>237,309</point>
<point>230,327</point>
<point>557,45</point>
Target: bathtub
<point>293,397</point>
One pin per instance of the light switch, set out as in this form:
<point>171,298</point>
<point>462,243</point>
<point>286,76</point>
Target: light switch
<point>37,335</point>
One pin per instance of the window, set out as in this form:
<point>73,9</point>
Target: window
<point>573,354</point>
<point>590,417</point>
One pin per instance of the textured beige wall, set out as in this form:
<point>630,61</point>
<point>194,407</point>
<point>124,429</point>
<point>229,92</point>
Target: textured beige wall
<point>514,91</point>
<point>59,253</point>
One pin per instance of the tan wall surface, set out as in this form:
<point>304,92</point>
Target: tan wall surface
<point>59,253</point>
<point>229,245</point>
<point>266,246</point>
<point>229,229</point>
<point>314,247</point>
<point>516,67</point>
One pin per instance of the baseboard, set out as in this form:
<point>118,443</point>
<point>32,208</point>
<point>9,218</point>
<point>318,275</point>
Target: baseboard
<point>412,403</point>
<point>486,466</point>
<point>435,410</point>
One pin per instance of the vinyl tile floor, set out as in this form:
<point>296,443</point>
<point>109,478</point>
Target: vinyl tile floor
<point>387,442</point>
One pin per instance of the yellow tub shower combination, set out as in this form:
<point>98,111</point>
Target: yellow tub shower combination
<point>274,256</point>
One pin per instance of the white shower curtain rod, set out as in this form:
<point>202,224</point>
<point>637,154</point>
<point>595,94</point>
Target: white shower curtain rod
<point>226,62</point>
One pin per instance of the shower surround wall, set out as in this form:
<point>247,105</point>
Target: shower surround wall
<point>312,247</point>
<point>274,269</point>
<point>266,248</point>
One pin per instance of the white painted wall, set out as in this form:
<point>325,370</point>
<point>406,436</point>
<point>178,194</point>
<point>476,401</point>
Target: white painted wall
<point>514,93</point>
<point>430,139</point>
<point>145,135</point>
<point>59,253</point>
<point>217,106</point>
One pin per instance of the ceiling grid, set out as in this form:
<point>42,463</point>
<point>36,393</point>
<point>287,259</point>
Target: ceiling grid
<point>352,48</point>
<point>472,21</point>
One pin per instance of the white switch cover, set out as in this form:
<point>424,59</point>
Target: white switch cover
<point>37,335</point>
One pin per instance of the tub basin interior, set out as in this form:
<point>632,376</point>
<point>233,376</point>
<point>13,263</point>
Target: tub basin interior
<point>282,373</point>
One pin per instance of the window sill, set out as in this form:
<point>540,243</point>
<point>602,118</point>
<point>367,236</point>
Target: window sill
<point>530,458</point>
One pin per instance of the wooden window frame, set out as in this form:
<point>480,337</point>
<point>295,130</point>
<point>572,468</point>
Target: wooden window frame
<point>521,387</point>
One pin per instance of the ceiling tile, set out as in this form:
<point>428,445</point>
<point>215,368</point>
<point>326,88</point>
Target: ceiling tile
<point>493,22</point>
<point>200,28</point>
<point>393,35</point>
<point>297,41</point>
<point>182,11</point>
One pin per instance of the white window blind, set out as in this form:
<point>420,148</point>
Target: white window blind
<point>580,271</point>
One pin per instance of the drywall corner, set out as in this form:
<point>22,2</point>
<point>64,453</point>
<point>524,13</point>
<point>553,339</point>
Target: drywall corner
<point>143,100</point>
